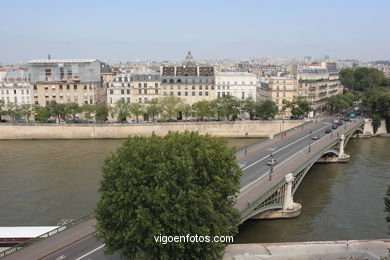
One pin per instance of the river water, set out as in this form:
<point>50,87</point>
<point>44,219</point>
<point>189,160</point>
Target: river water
<point>44,181</point>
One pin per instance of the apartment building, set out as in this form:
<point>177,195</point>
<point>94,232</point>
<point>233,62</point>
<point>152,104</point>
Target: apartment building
<point>133,88</point>
<point>318,82</point>
<point>190,82</point>
<point>66,81</point>
<point>15,88</point>
<point>238,84</point>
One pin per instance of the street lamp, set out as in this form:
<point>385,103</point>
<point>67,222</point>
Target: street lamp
<point>310,142</point>
<point>246,143</point>
<point>270,173</point>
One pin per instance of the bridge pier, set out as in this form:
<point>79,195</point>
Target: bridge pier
<point>342,156</point>
<point>290,208</point>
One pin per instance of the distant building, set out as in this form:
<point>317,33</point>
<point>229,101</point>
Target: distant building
<point>14,88</point>
<point>119,88</point>
<point>146,87</point>
<point>67,81</point>
<point>238,84</point>
<point>190,82</point>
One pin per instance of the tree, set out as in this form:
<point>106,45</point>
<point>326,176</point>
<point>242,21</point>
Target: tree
<point>89,111</point>
<point>153,108</point>
<point>12,109</point>
<point>363,78</point>
<point>136,109</point>
<point>376,122</point>
<point>202,109</point>
<point>229,106</point>
<point>370,96</point>
<point>101,112</point>
<point>383,104</point>
<point>267,109</point>
<point>299,107</point>
<point>26,111</point>
<point>249,106</point>
<point>42,113</point>
<point>347,78</point>
<point>120,110</point>
<point>186,110</point>
<point>56,110</point>
<point>2,108</point>
<point>169,106</point>
<point>72,109</point>
<point>183,183</point>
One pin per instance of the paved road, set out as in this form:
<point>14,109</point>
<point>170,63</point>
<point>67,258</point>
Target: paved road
<point>294,144</point>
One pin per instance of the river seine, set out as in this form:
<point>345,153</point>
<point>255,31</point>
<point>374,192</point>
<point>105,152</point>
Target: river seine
<point>44,181</point>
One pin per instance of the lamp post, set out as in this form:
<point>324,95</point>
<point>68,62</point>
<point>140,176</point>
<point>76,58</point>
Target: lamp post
<point>270,173</point>
<point>310,142</point>
<point>246,143</point>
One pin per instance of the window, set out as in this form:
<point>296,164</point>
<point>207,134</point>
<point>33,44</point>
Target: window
<point>139,100</point>
<point>200,87</point>
<point>140,91</point>
<point>36,103</point>
<point>47,72</point>
<point>193,93</point>
<point>85,87</point>
<point>242,95</point>
<point>179,81</point>
<point>46,87</point>
<point>27,92</point>
<point>67,87</point>
<point>156,91</point>
<point>165,93</point>
<point>145,91</point>
<point>206,93</point>
<point>60,87</point>
<point>128,100</point>
<point>145,85</point>
<point>171,87</point>
<point>128,91</point>
<point>179,87</point>
<point>35,87</point>
<point>171,93</point>
<point>74,86</point>
<point>186,93</point>
<point>139,85</point>
<point>69,73</point>
<point>156,85</point>
<point>206,87</point>
<point>14,91</point>
<point>193,87</point>
<point>122,91</point>
<point>200,93</point>
<point>179,93</point>
<point>277,94</point>
<point>111,91</point>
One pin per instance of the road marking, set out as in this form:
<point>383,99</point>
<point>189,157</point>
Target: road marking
<point>90,252</point>
<point>265,174</point>
<point>61,257</point>
<point>282,148</point>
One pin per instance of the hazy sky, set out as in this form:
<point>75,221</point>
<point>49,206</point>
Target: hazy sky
<point>166,29</point>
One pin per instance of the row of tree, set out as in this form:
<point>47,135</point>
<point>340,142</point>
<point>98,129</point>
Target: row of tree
<point>341,101</point>
<point>363,78</point>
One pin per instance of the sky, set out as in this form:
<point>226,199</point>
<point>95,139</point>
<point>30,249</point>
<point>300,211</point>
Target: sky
<point>119,30</point>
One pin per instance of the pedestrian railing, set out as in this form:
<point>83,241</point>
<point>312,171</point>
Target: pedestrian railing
<point>43,236</point>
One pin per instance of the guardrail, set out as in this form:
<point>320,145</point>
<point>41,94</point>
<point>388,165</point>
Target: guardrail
<point>43,236</point>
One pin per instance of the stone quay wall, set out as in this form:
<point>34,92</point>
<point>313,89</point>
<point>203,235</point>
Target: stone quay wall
<point>106,131</point>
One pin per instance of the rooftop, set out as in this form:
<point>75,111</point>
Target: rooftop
<point>62,61</point>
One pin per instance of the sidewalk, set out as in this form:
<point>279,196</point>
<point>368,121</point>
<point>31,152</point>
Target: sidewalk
<point>56,242</point>
<point>350,249</point>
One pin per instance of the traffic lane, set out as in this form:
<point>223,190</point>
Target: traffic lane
<point>78,250</point>
<point>325,139</point>
<point>260,167</point>
<point>100,255</point>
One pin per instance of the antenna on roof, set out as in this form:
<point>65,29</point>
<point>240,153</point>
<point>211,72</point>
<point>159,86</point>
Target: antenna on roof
<point>49,57</point>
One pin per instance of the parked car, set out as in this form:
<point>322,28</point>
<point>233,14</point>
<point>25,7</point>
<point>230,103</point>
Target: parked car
<point>329,130</point>
<point>315,137</point>
<point>271,162</point>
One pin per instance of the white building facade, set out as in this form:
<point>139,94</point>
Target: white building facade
<point>238,84</point>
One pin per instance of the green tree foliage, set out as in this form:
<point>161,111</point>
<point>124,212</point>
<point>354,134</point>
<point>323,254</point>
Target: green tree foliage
<point>137,110</point>
<point>170,106</point>
<point>383,104</point>
<point>376,122</point>
<point>249,106</point>
<point>12,109</point>
<point>298,107</point>
<point>186,110</point>
<point>178,184</point>
<point>363,78</point>
<point>341,101</point>
<point>267,109</point>
<point>89,111</point>
<point>202,109</point>
<point>228,107</point>
<point>41,114</point>
<point>120,110</point>
<point>101,112</point>
<point>153,108</point>
<point>56,109</point>
<point>72,109</point>
<point>26,111</point>
<point>370,96</point>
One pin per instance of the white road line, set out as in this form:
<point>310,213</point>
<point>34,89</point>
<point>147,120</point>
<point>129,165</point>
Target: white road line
<point>265,174</point>
<point>282,148</point>
<point>90,252</point>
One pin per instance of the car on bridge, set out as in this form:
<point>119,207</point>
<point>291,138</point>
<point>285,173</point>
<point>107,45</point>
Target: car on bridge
<point>271,162</point>
<point>334,126</point>
<point>329,130</point>
<point>315,137</point>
